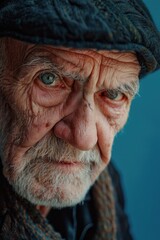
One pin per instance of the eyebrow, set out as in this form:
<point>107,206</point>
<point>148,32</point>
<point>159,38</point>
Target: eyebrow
<point>130,88</point>
<point>35,61</point>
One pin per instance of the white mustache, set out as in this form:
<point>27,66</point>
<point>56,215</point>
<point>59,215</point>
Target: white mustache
<point>54,149</point>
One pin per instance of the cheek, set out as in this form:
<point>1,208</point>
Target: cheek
<point>115,113</point>
<point>48,97</point>
<point>107,127</point>
<point>40,125</point>
<point>123,116</point>
<point>31,121</point>
<point>118,119</point>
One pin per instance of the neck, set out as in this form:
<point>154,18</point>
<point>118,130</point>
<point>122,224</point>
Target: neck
<point>43,210</point>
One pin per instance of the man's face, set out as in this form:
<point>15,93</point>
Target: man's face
<point>60,111</point>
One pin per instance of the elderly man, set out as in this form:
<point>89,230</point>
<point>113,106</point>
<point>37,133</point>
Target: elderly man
<point>68,73</point>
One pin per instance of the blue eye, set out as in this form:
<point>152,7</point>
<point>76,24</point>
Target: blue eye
<point>113,94</point>
<point>48,78</point>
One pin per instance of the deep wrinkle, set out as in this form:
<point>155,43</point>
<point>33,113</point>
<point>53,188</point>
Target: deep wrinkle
<point>45,64</point>
<point>78,118</point>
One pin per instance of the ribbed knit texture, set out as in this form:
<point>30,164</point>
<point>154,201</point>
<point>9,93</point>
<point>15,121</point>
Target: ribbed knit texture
<point>104,201</point>
<point>23,221</point>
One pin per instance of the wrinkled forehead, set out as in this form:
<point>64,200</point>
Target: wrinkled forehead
<point>19,52</point>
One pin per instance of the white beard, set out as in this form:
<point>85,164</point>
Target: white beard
<point>42,181</point>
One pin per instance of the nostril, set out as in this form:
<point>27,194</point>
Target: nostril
<point>82,140</point>
<point>61,130</point>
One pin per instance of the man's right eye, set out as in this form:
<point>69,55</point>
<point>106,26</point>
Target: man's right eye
<point>49,78</point>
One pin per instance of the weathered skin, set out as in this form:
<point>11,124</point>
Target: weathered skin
<point>74,114</point>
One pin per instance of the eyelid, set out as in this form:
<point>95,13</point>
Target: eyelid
<point>129,90</point>
<point>62,82</point>
<point>49,71</point>
<point>33,69</point>
<point>116,90</point>
<point>37,78</point>
<point>115,95</point>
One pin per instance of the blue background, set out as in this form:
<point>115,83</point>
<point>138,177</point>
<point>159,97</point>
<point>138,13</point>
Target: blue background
<point>136,154</point>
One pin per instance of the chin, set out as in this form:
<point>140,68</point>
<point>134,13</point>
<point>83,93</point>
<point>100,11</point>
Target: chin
<point>46,176</point>
<point>57,185</point>
<point>57,197</point>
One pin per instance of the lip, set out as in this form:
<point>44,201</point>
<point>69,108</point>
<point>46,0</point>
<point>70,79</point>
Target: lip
<point>65,163</point>
<point>68,166</point>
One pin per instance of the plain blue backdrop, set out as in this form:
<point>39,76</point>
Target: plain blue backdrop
<point>136,154</point>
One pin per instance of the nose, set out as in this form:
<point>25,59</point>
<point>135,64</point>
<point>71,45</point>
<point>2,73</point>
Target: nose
<point>79,127</point>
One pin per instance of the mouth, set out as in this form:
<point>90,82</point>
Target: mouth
<point>68,166</point>
<point>67,162</point>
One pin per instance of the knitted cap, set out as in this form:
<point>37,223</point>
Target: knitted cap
<point>124,25</point>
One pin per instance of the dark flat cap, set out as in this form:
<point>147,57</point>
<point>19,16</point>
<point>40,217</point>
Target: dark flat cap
<point>125,25</point>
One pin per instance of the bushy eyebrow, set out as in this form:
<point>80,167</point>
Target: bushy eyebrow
<point>131,87</point>
<point>60,69</point>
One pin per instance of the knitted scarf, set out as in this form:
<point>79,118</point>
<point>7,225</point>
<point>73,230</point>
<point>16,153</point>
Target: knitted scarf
<point>21,220</point>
